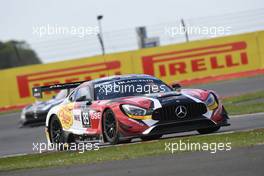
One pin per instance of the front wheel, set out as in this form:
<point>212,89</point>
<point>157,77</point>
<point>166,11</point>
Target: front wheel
<point>110,127</point>
<point>208,130</point>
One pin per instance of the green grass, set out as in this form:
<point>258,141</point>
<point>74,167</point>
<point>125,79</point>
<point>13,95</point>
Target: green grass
<point>153,148</point>
<point>245,104</point>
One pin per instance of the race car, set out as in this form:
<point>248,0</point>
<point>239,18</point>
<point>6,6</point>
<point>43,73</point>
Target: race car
<point>36,113</point>
<point>119,108</point>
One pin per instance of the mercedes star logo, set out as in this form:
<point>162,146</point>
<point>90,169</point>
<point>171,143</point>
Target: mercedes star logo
<point>181,111</point>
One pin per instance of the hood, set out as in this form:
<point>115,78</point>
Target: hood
<point>197,93</point>
<point>164,98</point>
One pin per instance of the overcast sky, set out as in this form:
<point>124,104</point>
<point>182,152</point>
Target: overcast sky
<point>18,17</point>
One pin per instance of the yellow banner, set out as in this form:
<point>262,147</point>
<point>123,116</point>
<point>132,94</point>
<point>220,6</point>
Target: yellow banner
<point>260,39</point>
<point>4,92</point>
<point>199,59</point>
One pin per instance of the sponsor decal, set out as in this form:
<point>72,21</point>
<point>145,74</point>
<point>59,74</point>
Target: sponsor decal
<point>96,115</point>
<point>65,75</point>
<point>76,117</point>
<point>66,116</point>
<point>195,60</point>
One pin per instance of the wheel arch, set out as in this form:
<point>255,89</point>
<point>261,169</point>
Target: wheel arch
<point>49,117</point>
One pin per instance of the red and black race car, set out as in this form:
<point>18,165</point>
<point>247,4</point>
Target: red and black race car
<point>119,108</point>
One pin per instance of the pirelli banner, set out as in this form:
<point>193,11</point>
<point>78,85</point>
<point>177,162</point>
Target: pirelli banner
<point>199,59</point>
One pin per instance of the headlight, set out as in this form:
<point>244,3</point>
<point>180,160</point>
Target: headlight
<point>134,110</point>
<point>24,110</point>
<point>211,102</point>
<point>23,115</point>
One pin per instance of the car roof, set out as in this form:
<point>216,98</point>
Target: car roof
<point>122,77</point>
<point>118,77</point>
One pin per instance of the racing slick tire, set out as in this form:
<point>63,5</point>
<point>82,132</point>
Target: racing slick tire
<point>151,137</point>
<point>110,127</point>
<point>208,130</point>
<point>57,135</point>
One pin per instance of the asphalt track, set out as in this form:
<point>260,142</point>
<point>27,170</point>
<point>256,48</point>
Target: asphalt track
<point>236,86</point>
<point>15,140</point>
<point>237,162</point>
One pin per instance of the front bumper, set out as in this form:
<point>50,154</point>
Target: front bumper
<point>34,117</point>
<point>184,126</point>
<point>164,121</point>
<point>174,126</point>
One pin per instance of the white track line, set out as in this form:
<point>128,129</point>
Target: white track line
<point>247,115</point>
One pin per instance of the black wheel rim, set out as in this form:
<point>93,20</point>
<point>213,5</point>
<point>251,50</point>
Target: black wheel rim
<point>56,131</point>
<point>110,126</point>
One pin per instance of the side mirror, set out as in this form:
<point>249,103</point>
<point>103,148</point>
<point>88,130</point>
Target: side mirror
<point>176,86</point>
<point>82,98</point>
<point>88,101</point>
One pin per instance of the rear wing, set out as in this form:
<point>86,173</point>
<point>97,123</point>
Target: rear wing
<point>38,91</point>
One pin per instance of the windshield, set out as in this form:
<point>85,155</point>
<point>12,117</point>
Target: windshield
<point>62,94</point>
<point>130,87</point>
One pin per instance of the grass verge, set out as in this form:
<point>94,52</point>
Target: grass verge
<point>152,148</point>
<point>245,104</point>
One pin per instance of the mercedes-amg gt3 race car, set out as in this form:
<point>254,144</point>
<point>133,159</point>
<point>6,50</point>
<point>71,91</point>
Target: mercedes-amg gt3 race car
<point>119,108</point>
<point>36,113</point>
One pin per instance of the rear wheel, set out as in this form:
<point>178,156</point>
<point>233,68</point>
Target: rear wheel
<point>152,137</point>
<point>208,130</point>
<point>110,127</point>
<point>56,133</point>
